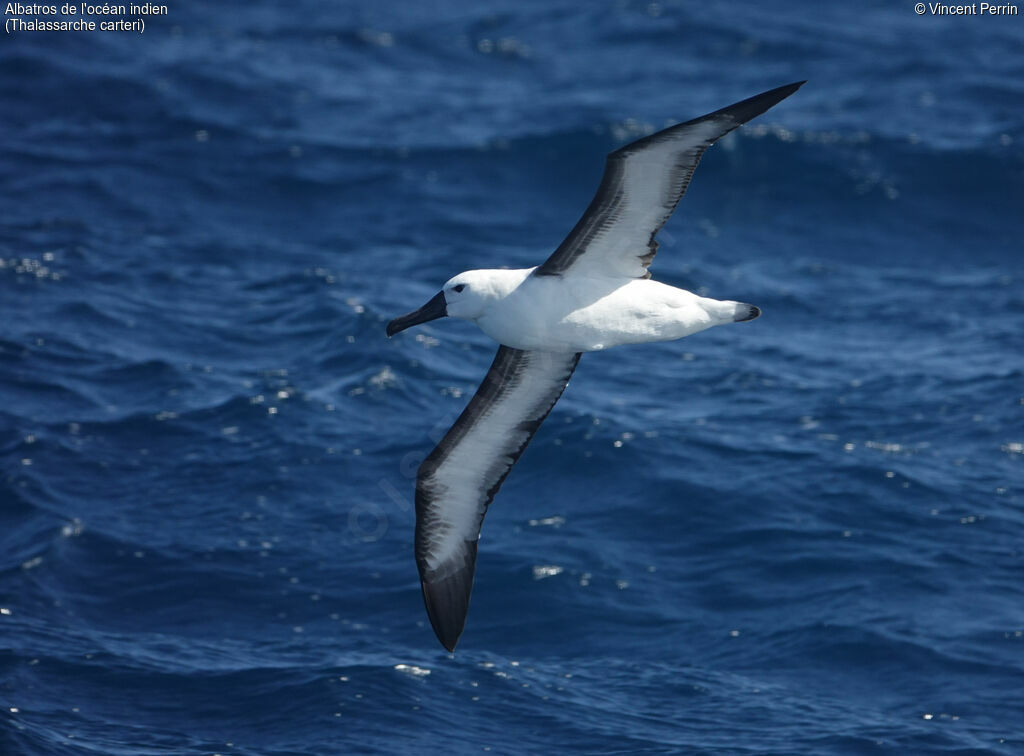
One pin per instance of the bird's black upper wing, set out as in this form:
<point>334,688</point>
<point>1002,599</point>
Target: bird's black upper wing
<point>642,184</point>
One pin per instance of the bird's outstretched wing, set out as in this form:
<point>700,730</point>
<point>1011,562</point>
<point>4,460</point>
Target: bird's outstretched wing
<point>460,477</point>
<point>642,184</point>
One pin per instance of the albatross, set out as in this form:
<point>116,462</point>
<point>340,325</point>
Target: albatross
<point>594,292</point>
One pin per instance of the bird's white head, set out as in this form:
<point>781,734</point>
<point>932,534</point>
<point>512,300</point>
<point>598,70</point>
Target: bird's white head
<point>468,294</point>
<point>465,296</point>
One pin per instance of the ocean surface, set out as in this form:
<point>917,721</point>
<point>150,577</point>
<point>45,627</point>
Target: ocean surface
<point>800,535</point>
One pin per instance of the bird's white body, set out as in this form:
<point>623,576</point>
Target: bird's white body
<point>582,313</point>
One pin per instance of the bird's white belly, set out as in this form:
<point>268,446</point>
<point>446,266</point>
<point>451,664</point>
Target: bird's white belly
<point>553,315</point>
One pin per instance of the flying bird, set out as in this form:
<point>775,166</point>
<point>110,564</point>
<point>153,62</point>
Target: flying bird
<point>594,292</point>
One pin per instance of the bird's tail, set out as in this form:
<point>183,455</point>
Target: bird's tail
<point>744,312</point>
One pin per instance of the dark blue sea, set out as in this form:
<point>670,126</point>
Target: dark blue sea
<point>800,535</point>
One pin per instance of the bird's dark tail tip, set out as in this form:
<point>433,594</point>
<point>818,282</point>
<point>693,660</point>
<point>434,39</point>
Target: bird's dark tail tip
<point>745,312</point>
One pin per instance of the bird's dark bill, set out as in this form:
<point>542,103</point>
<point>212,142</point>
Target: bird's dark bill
<point>432,310</point>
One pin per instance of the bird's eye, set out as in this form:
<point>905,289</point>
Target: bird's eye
<point>459,287</point>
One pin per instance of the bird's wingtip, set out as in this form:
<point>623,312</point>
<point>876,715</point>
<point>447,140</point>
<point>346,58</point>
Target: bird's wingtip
<point>745,110</point>
<point>446,594</point>
<point>447,606</point>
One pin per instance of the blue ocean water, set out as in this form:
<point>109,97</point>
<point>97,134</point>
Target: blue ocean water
<point>803,534</point>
